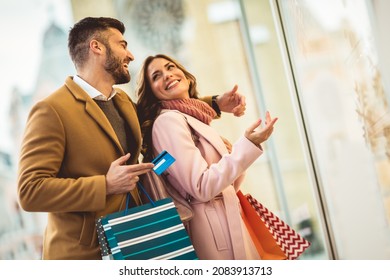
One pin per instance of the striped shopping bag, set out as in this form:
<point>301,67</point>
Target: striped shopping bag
<point>276,239</point>
<point>150,231</point>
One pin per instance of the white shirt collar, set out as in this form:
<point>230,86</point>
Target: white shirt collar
<point>92,92</point>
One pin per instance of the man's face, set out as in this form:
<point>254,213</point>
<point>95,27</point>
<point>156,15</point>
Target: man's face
<point>118,58</point>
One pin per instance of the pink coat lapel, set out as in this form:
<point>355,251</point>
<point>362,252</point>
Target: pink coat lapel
<point>208,133</point>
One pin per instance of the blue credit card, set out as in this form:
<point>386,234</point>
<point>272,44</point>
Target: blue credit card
<point>162,162</point>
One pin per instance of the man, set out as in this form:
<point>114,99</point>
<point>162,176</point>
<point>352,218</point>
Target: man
<point>80,151</point>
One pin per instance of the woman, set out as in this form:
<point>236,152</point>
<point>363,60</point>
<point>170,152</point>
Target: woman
<point>174,119</point>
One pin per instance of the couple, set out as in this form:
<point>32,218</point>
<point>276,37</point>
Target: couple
<point>80,151</point>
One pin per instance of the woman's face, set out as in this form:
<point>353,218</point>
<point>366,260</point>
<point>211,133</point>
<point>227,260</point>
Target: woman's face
<point>167,80</point>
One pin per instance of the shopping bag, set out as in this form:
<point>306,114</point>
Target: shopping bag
<point>104,248</point>
<point>158,187</point>
<point>273,238</point>
<point>150,231</point>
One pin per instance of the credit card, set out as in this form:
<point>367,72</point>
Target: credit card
<point>162,162</point>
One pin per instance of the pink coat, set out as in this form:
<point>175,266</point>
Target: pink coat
<point>211,176</point>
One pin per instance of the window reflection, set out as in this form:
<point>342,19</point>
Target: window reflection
<point>347,115</point>
<point>293,182</point>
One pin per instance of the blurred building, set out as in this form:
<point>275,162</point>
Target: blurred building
<point>21,232</point>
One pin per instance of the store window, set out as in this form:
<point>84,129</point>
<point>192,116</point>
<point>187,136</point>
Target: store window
<point>344,106</point>
<point>289,160</point>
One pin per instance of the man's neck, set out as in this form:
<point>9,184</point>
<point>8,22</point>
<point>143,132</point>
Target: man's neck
<point>100,82</point>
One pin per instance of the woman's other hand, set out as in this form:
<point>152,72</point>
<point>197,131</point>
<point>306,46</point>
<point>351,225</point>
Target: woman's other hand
<point>257,134</point>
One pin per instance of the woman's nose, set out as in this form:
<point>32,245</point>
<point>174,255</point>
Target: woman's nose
<point>167,75</point>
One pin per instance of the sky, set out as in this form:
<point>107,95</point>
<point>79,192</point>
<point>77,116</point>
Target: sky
<point>22,24</point>
<point>22,30</point>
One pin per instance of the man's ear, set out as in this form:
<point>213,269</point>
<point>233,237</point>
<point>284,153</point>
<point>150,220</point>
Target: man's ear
<point>95,46</point>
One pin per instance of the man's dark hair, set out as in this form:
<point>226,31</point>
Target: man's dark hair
<point>87,29</point>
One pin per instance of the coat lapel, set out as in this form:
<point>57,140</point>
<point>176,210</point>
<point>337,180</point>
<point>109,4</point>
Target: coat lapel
<point>208,133</point>
<point>93,110</point>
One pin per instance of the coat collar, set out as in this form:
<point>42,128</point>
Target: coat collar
<point>124,105</point>
<point>206,132</point>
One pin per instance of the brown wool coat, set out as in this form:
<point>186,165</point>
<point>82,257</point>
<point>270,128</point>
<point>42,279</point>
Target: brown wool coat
<point>67,149</point>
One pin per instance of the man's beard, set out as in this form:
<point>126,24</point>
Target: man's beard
<point>114,66</point>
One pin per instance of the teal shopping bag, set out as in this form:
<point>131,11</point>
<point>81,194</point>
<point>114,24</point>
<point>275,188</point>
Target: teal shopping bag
<point>150,231</point>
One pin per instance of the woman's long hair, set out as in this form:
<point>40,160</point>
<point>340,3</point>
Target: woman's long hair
<point>149,107</point>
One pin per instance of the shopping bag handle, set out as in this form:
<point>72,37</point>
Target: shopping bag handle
<point>128,197</point>
<point>161,162</point>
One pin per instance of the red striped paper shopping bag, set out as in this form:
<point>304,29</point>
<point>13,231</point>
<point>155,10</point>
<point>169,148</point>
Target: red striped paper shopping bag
<point>289,241</point>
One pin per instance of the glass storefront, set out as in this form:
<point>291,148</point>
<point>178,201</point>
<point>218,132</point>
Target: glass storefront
<point>339,87</point>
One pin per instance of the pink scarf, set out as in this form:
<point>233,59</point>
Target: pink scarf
<point>191,106</point>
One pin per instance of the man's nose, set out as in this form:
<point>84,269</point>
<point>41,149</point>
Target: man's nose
<point>130,55</point>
